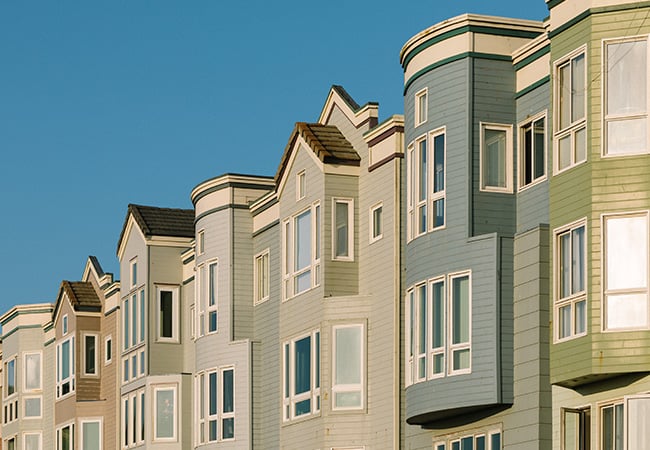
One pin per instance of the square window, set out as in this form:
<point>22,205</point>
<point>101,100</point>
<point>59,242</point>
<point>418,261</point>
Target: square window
<point>32,407</point>
<point>496,158</point>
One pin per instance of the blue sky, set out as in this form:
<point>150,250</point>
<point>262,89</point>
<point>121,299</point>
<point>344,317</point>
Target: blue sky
<point>103,104</point>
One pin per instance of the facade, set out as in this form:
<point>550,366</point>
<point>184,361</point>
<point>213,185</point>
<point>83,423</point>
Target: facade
<point>472,275</point>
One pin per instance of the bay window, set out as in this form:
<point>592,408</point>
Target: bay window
<point>215,405</point>
<point>301,252</point>
<point>301,376</point>
<point>65,373</point>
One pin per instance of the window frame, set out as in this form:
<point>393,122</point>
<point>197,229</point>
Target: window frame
<point>24,405</point>
<point>350,388</point>
<point>108,350</point>
<point>583,431</point>
<point>261,287</point>
<point>440,195</point>
<point>133,272</point>
<point>419,117</point>
<point>605,290</point>
<point>59,435</point>
<point>84,355</point>
<point>301,186</point>
<point>350,229</point>
<point>174,389</point>
<point>133,407</point>
<point>372,221</point>
<point>289,272</point>
<point>174,289</point>
<point>575,126</point>
<point>463,345</point>
<point>86,420</point>
<point>522,127</point>
<point>60,381</point>
<point>605,117</point>
<point>200,241</point>
<point>508,163</point>
<point>289,398</point>
<point>13,361</point>
<point>25,389</point>
<point>212,296</point>
<point>572,299</point>
<point>32,433</point>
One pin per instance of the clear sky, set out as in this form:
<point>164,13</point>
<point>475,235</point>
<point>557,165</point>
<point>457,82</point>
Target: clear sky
<point>103,104</point>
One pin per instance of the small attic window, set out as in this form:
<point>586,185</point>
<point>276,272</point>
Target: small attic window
<point>201,242</point>
<point>300,185</point>
<point>65,324</point>
<point>134,272</point>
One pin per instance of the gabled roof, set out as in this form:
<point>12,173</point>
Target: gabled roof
<point>326,141</point>
<point>154,221</point>
<point>82,297</point>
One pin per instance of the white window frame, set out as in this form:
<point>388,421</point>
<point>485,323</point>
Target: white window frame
<point>572,299</point>
<point>350,229</point>
<point>12,438</point>
<point>64,325</point>
<point>464,345</point>
<point>261,274</point>
<point>174,390</point>
<point>212,291</point>
<point>59,436</point>
<point>410,192</point>
<point>606,118</point>
<point>441,194</point>
<point>289,272</point>
<point>575,126</point>
<point>175,313</point>
<point>199,296</point>
<point>91,420</point>
<point>301,186</point>
<point>133,272</point>
<point>434,351</point>
<point>200,242</point>
<point>350,388</point>
<point>24,406</point>
<point>32,433</point>
<point>133,436</point>
<point>606,291</point>
<point>523,126</point>
<point>420,228</point>
<point>108,355</point>
<point>221,408</point>
<point>371,220</point>
<point>60,382</point>
<point>84,354</point>
<point>14,361</point>
<point>418,115</point>
<point>193,334</point>
<point>289,399</point>
<point>507,129</point>
<point>40,375</point>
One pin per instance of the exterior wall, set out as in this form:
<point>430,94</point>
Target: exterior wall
<point>110,378</point>
<point>65,409</point>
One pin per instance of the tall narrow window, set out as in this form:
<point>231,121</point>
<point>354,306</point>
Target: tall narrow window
<point>421,187</point>
<point>200,288</point>
<point>437,309</point>
<point>65,438</point>
<point>165,413</point>
<point>376,222</point>
<point>228,404</point>
<point>261,277</point>
<point>343,230</point>
<point>532,154</point>
<point>301,376</point>
<point>348,362</point>
<point>626,116</point>
<point>421,107</point>
<point>570,104</point>
<point>438,178</point>
<point>301,252</point>
<point>143,320</point>
<point>64,324</point>
<point>626,272</point>
<point>90,354</point>
<point>612,427</point>
<point>410,192</point>
<point>575,429</point>
<point>460,317</point>
<point>65,368</point>
<point>570,303</point>
<point>32,368</point>
<point>167,313</point>
<point>496,158</point>
<point>91,435</point>
<point>213,395</point>
<point>201,242</point>
<point>134,319</point>
<point>126,323</point>
<point>10,377</point>
<point>300,185</point>
<point>212,297</point>
<point>108,350</point>
<point>134,272</point>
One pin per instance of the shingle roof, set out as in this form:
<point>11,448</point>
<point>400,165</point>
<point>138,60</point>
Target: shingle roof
<point>154,221</point>
<point>326,141</point>
<point>82,297</point>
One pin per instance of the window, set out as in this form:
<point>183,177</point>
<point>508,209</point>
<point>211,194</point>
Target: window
<point>625,71</point>
<point>64,325</point>
<point>483,441</point>
<point>91,433</point>
<point>90,354</point>
<point>496,158</point>
<point>11,443</point>
<point>193,322</point>
<point>301,252</point>
<point>65,438</point>
<point>300,185</point>
<point>32,407</point>
<point>570,116</point>
<point>576,425</point>
<point>348,367</point>
<point>32,372</point>
<point>626,271</point>
<point>439,324</point>
<point>10,377</point>
<point>207,297</point>
<point>421,107</point>
<point>215,405</point>
<point>343,229</point>
<point>200,238</point>
<point>167,313</point>
<point>143,320</point>
<point>166,413</point>
<point>612,429</point>
<point>212,297</point>
<point>125,323</point>
<point>570,270</point>
<point>532,151</point>
<point>32,441</point>
<point>133,419</point>
<point>261,277</point>
<point>108,350</point>
<point>301,376</point>
<point>65,383</point>
<point>376,223</point>
<point>134,272</point>
<point>426,198</point>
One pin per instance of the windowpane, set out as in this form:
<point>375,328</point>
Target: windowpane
<point>32,371</point>
<point>142,315</point>
<point>376,222</point>
<point>212,296</point>
<point>348,355</point>
<point>627,252</point>
<point>578,88</point>
<point>581,317</point>
<point>495,441</point>
<point>212,321</point>
<point>166,310</point>
<point>66,438</point>
<point>565,95</point>
<point>564,152</point>
<point>627,311</point>
<point>626,137</point>
<point>538,145</point>
<point>467,443</point>
<point>228,426</point>
<point>165,413</point>
<point>565,321</point>
<point>439,213</point>
<point>212,393</point>
<point>303,240</point>
<point>422,170</point>
<point>494,163</point>
<point>317,233</point>
<point>438,318</point>
<point>126,323</point>
<point>134,319</point>
<point>578,259</point>
<point>90,343</point>
<point>65,360</point>
<point>91,436</point>
<point>32,442</point>
<point>626,78</point>
<point>33,407</point>
<point>347,399</point>
<point>460,310</point>
<point>480,443</point>
<point>638,412</point>
<point>302,358</point>
<point>581,145</point>
<point>439,163</point>
<point>461,359</point>
<point>342,229</point>
<point>228,391</point>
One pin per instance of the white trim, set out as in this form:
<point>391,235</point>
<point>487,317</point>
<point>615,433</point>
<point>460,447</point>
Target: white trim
<point>40,374</point>
<point>419,118</point>
<point>301,184</point>
<point>95,336</point>
<point>85,420</point>
<point>108,358</point>
<point>263,284</point>
<point>24,406</point>
<point>350,229</point>
<point>464,345</point>
<point>508,163</point>
<point>350,388</point>
<point>371,221</point>
<point>160,388</point>
<point>32,433</point>
<point>174,289</point>
<point>542,115</point>
<point>431,350</point>
<point>290,398</point>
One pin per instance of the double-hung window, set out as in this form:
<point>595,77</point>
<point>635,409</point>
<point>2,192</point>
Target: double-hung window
<point>65,374</point>
<point>167,309</point>
<point>348,367</point>
<point>261,277</point>
<point>623,423</point>
<point>342,229</point>
<point>32,384</point>
<point>570,110</point>
<point>207,297</point>
<point>625,71</point>
<point>459,324</point>
<point>625,276</point>
<point>437,195</point>
<point>215,402</point>
<point>570,283</point>
<point>532,151</point>
<point>301,376</point>
<point>301,251</point>
<point>496,157</point>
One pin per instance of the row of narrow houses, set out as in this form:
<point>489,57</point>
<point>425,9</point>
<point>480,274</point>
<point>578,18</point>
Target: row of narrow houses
<point>472,275</point>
